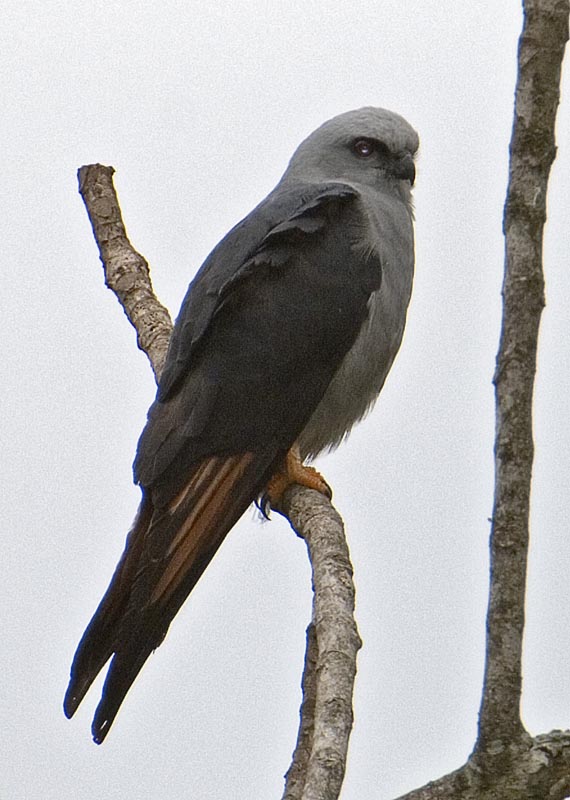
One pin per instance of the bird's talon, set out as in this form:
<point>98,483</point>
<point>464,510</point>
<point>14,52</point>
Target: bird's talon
<point>294,471</point>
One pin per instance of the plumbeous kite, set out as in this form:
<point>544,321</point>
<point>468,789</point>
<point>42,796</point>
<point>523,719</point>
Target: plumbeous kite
<point>282,344</point>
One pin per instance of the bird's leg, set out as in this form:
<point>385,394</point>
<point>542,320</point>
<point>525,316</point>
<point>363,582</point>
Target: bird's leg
<point>294,471</point>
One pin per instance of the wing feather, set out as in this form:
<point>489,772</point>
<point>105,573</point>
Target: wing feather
<point>207,513</point>
<point>173,551</point>
<point>98,641</point>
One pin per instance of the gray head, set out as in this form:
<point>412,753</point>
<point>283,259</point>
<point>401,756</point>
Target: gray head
<point>363,146</point>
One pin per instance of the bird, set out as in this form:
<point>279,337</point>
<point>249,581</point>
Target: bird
<point>282,344</point>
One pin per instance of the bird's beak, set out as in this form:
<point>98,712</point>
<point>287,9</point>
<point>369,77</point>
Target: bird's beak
<point>405,168</point>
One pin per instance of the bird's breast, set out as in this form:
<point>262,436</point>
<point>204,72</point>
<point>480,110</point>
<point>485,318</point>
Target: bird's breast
<point>361,375</point>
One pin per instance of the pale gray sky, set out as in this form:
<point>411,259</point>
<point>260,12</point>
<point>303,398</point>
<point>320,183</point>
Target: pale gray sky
<point>199,106</point>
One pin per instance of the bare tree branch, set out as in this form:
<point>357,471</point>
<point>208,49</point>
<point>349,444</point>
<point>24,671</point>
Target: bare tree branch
<point>319,761</point>
<point>541,49</point>
<point>323,739</point>
<point>126,271</point>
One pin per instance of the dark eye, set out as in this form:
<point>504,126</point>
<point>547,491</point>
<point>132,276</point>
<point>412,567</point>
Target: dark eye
<point>364,148</point>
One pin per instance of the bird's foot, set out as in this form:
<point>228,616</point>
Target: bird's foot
<point>294,471</point>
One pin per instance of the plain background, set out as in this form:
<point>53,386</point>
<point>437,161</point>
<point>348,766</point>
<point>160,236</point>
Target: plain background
<point>199,106</point>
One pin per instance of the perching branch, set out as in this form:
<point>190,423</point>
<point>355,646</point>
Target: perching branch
<point>333,642</point>
<point>319,761</point>
<point>126,271</point>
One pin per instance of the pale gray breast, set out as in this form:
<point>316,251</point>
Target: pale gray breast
<point>359,379</point>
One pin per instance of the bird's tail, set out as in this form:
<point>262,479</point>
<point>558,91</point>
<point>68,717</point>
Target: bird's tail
<point>98,642</point>
<point>166,552</point>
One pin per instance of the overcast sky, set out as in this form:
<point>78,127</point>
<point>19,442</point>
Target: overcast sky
<point>199,106</point>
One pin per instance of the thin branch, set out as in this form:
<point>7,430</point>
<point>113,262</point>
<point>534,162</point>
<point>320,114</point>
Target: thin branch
<point>322,746</point>
<point>126,271</point>
<point>541,49</point>
<point>319,761</point>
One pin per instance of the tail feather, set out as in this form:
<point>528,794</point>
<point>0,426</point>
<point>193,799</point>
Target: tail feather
<point>98,642</point>
<point>166,553</point>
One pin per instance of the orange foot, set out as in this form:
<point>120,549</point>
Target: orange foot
<point>294,471</point>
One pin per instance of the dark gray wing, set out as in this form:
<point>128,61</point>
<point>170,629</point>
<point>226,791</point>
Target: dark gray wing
<point>262,329</point>
<point>296,209</point>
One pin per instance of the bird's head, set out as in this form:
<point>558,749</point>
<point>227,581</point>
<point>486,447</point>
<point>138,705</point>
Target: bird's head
<point>370,146</point>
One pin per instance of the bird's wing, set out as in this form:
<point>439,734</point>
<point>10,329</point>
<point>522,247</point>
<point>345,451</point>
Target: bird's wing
<point>300,208</point>
<point>242,386</point>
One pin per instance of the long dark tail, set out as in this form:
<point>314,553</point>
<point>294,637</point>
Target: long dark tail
<point>166,552</point>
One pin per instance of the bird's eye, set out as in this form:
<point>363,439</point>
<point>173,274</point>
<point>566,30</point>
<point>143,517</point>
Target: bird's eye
<point>364,148</point>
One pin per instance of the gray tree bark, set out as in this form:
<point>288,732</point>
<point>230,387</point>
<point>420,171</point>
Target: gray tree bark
<point>506,762</point>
